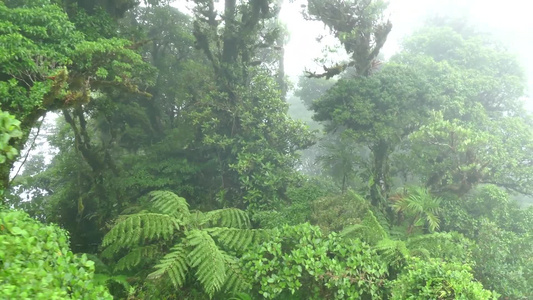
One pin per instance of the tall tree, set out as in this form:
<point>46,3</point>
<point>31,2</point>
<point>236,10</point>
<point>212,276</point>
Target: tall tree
<point>47,65</point>
<point>360,27</point>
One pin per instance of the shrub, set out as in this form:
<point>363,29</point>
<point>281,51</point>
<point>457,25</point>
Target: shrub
<point>36,263</point>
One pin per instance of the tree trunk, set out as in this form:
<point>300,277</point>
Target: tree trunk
<point>380,172</point>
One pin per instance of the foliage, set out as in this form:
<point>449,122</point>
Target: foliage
<point>502,233</point>
<point>419,206</point>
<point>194,238</point>
<point>503,260</point>
<point>360,27</point>
<point>300,263</point>
<point>37,262</point>
<point>9,129</point>
<point>47,64</point>
<point>437,280</point>
<point>297,208</point>
<point>457,155</point>
<point>445,246</point>
<point>369,110</point>
<point>349,214</point>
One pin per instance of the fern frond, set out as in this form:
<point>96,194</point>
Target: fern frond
<point>135,228</point>
<point>351,230</point>
<point>135,256</point>
<point>236,238</point>
<point>236,281</point>
<point>392,251</point>
<point>197,219</point>
<point>208,260</point>
<point>174,264</point>
<point>171,204</point>
<point>228,217</point>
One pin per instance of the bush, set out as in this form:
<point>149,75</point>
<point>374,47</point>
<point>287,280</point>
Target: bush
<point>299,262</point>
<point>36,263</point>
<point>438,280</point>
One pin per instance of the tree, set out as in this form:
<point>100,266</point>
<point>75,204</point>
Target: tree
<point>457,156</point>
<point>245,119</point>
<point>360,27</point>
<point>191,236</point>
<point>378,112</point>
<point>48,65</point>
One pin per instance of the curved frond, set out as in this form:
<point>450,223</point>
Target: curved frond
<point>236,238</point>
<point>228,217</point>
<point>135,228</point>
<point>174,265</point>
<point>171,204</point>
<point>208,260</point>
<point>392,251</point>
<point>236,281</point>
<point>135,256</point>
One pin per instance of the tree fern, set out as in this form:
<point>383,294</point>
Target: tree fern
<point>228,217</point>
<point>195,236</point>
<point>135,228</point>
<point>235,279</point>
<point>170,204</point>
<point>208,260</point>
<point>174,265</point>
<point>393,252</point>
<point>138,254</point>
<point>235,238</point>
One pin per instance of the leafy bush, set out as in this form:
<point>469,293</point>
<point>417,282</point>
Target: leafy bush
<point>36,263</point>
<point>438,280</point>
<point>504,261</point>
<point>297,208</point>
<point>9,128</point>
<point>334,213</point>
<point>298,262</point>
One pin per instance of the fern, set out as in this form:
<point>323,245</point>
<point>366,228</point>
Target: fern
<point>235,238</point>
<point>228,217</point>
<point>196,233</point>
<point>208,261</point>
<point>134,258</point>
<point>135,228</point>
<point>171,204</point>
<point>235,279</point>
<point>174,264</point>
<point>393,252</point>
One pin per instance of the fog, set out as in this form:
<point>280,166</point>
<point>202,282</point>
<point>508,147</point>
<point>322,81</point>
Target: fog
<point>510,22</point>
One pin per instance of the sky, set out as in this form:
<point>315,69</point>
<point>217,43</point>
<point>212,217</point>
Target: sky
<point>510,21</point>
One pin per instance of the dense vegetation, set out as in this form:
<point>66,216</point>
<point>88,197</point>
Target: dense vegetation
<point>173,170</point>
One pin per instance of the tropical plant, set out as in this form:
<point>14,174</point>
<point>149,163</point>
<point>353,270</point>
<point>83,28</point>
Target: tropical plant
<point>299,262</point>
<point>194,238</point>
<point>37,263</point>
<point>9,129</point>
<point>419,207</point>
<point>446,246</point>
<point>438,280</point>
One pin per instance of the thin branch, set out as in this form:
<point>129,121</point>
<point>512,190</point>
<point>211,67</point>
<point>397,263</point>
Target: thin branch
<point>29,149</point>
